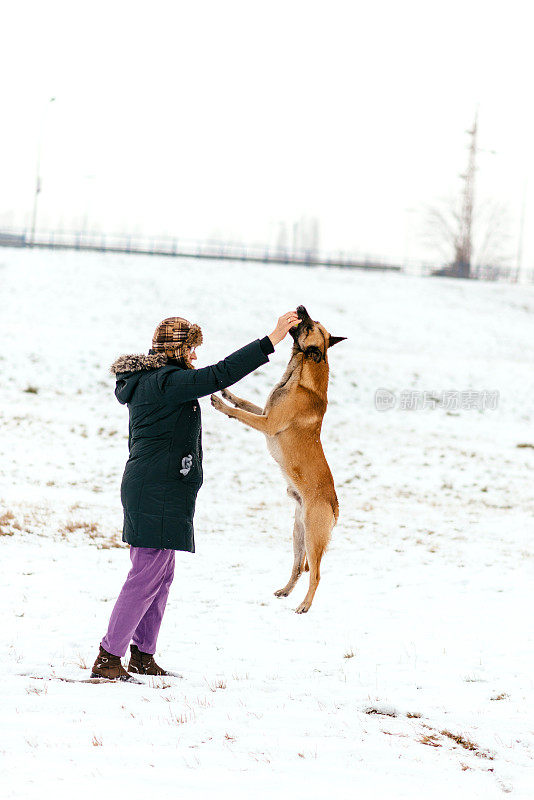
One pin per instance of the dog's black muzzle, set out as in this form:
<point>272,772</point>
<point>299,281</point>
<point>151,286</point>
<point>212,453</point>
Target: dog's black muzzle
<point>305,320</point>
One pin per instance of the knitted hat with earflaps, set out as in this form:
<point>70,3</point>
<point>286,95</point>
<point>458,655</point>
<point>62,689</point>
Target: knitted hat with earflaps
<point>175,336</point>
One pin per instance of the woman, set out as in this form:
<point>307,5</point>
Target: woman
<point>163,475</point>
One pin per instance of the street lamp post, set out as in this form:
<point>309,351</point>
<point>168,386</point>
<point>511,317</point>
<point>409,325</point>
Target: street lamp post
<point>38,172</point>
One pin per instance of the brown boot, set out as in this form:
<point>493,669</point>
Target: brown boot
<point>109,666</point>
<point>143,663</point>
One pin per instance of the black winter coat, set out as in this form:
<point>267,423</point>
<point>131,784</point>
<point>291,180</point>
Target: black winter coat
<point>164,471</point>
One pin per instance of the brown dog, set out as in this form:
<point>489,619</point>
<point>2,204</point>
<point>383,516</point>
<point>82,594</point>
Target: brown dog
<point>291,421</point>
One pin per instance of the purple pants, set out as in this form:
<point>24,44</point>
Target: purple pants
<point>138,612</point>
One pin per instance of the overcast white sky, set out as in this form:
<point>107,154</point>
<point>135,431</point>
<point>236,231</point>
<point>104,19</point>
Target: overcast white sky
<point>202,118</point>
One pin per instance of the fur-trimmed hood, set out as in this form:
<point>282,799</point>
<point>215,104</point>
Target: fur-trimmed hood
<point>129,370</point>
<point>137,362</point>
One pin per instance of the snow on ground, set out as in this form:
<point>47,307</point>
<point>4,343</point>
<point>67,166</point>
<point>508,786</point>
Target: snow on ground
<point>411,676</point>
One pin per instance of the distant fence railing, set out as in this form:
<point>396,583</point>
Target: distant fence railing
<point>481,272</point>
<point>185,248</point>
<point>237,251</point>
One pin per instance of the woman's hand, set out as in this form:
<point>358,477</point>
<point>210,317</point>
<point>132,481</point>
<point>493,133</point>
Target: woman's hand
<point>283,325</point>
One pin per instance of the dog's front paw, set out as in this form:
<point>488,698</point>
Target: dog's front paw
<point>217,403</point>
<point>227,395</point>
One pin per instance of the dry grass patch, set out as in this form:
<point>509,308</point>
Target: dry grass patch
<point>9,524</point>
<point>80,661</point>
<point>384,712</point>
<point>467,744</point>
<point>203,702</point>
<point>108,544</point>
<point>73,526</point>
<point>461,740</point>
<point>37,689</point>
<point>106,432</point>
<point>41,521</point>
<point>92,532</point>
<point>432,739</point>
<point>5,524</point>
<point>180,719</point>
<point>429,739</point>
<point>474,679</point>
<point>159,683</point>
<point>220,683</point>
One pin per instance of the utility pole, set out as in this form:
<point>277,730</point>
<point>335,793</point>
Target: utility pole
<point>464,244</point>
<point>38,182</point>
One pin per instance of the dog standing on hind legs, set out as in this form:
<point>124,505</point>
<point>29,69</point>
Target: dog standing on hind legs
<point>291,421</point>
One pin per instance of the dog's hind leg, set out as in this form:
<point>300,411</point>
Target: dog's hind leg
<point>299,552</point>
<point>238,402</point>
<point>318,522</point>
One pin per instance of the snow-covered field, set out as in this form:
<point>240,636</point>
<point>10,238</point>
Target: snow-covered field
<point>411,676</point>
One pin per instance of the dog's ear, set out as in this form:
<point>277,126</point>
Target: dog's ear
<point>335,339</point>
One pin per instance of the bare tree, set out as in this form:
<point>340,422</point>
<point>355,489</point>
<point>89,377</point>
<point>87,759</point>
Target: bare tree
<point>442,229</point>
<point>490,237</point>
<point>471,236</point>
